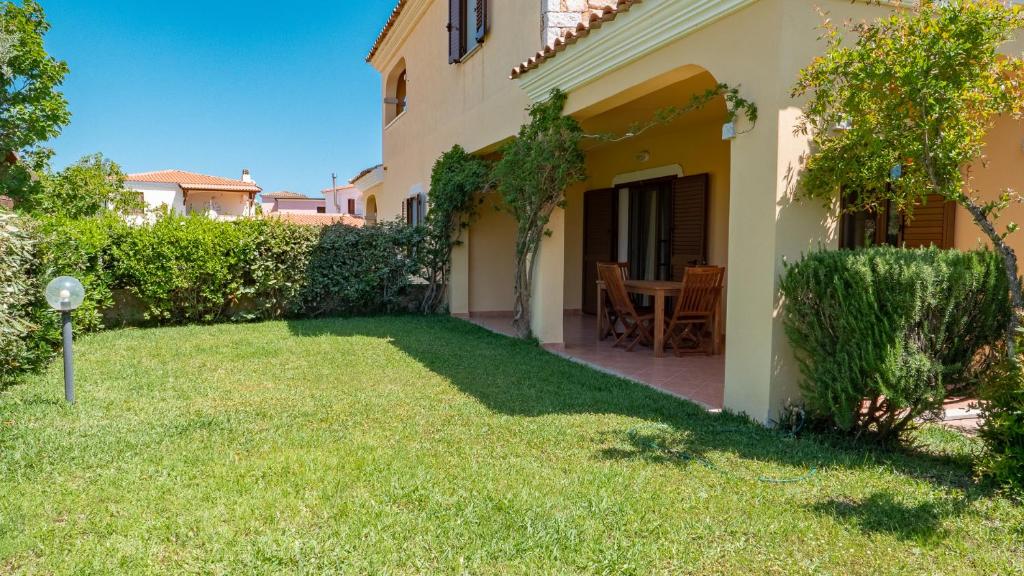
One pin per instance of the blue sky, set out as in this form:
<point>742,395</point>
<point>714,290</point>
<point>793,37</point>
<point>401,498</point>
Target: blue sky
<point>215,86</point>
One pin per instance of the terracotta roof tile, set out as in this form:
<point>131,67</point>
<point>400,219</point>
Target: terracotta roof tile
<point>365,172</point>
<point>594,18</point>
<point>387,28</point>
<point>338,188</point>
<point>193,181</point>
<point>307,219</point>
<point>285,194</point>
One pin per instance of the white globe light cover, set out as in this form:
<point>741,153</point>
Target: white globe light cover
<point>65,293</point>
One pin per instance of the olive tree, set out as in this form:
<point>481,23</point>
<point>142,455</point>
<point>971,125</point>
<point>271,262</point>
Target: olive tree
<point>904,110</point>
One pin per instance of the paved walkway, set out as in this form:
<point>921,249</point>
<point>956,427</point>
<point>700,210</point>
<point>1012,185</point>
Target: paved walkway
<point>698,378</point>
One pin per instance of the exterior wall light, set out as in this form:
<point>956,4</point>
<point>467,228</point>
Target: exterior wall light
<point>729,131</point>
<point>65,294</point>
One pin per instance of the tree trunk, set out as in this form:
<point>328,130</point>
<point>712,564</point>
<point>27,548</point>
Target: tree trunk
<point>521,306</point>
<point>1010,266</point>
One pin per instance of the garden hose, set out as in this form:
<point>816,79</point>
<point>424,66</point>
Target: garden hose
<point>635,436</point>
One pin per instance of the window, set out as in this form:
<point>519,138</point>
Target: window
<point>467,27</point>
<point>931,223</point>
<point>414,210</point>
<point>321,209</point>
<point>866,228</point>
<point>400,93</point>
<point>396,93</point>
<point>351,205</point>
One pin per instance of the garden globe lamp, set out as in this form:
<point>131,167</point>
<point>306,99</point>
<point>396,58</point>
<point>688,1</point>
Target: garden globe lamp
<point>64,294</point>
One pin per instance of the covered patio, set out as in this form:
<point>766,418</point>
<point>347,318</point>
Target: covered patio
<point>698,378</point>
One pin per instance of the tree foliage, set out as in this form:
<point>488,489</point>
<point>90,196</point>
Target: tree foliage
<point>903,111</point>
<point>456,183</point>
<point>32,108</point>
<point>86,188</point>
<point>533,174</point>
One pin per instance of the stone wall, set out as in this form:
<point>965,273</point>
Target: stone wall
<point>562,16</point>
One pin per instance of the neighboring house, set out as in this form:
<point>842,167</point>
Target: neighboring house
<point>285,201</point>
<point>344,200</point>
<point>465,72</point>
<point>183,192</point>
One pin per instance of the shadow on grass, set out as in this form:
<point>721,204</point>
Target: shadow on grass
<point>881,512</point>
<point>518,378</point>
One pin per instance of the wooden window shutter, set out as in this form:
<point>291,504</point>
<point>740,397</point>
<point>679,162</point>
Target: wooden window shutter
<point>419,208</point>
<point>454,31</point>
<point>351,205</point>
<point>931,223</point>
<point>689,223</point>
<point>481,20</point>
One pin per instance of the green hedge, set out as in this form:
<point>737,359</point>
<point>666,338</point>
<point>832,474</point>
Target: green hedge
<point>180,270</point>
<point>1002,427</point>
<point>22,345</point>
<point>883,335</point>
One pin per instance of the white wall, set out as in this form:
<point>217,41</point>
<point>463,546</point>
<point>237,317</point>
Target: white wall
<point>297,205</point>
<point>337,201</point>
<point>158,194</point>
<point>224,205</point>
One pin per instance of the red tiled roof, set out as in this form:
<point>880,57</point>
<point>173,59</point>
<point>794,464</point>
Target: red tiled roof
<point>365,172</point>
<point>193,181</point>
<point>387,28</point>
<point>285,194</point>
<point>307,219</point>
<point>339,188</point>
<point>592,19</point>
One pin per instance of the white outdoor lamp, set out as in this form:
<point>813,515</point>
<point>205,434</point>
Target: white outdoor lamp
<point>64,294</point>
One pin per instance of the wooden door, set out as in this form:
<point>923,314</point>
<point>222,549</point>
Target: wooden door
<point>600,239</point>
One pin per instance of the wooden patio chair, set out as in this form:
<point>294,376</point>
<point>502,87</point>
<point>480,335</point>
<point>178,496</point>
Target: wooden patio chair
<point>636,327</point>
<point>695,310</point>
<point>611,319</point>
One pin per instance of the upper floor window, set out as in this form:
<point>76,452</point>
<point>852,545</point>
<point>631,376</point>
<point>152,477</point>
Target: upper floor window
<point>467,27</point>
<point>396,93</point>
<point>414,209</point>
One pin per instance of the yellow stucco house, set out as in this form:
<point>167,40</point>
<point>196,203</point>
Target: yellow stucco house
<point>464,72</point>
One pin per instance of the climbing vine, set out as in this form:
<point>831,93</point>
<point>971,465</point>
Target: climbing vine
<point>456,182</point>
<point>546,158</point>
<point>735,106</point>
<point>533,173</point>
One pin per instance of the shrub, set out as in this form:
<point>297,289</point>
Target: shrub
<point>23,344</point>
<point>882,335</point>
<point>1002,427</point>
<point>184,269</point>
<point>275,263</point>
<point>83,248</point>
<point>362,270</point>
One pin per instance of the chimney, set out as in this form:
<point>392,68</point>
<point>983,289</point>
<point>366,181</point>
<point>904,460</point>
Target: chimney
<point>246,177</point>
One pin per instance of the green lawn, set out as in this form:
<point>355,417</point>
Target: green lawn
<point>427,445</point>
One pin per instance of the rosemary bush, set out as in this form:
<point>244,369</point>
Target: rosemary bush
<point>883,335</point>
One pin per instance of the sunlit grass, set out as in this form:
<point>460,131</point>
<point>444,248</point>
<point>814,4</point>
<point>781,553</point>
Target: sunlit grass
<point>427,445</point>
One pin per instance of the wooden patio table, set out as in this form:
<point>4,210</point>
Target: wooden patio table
<point>659,290</point>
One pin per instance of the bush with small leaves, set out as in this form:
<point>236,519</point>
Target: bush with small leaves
<point>883,335</point>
